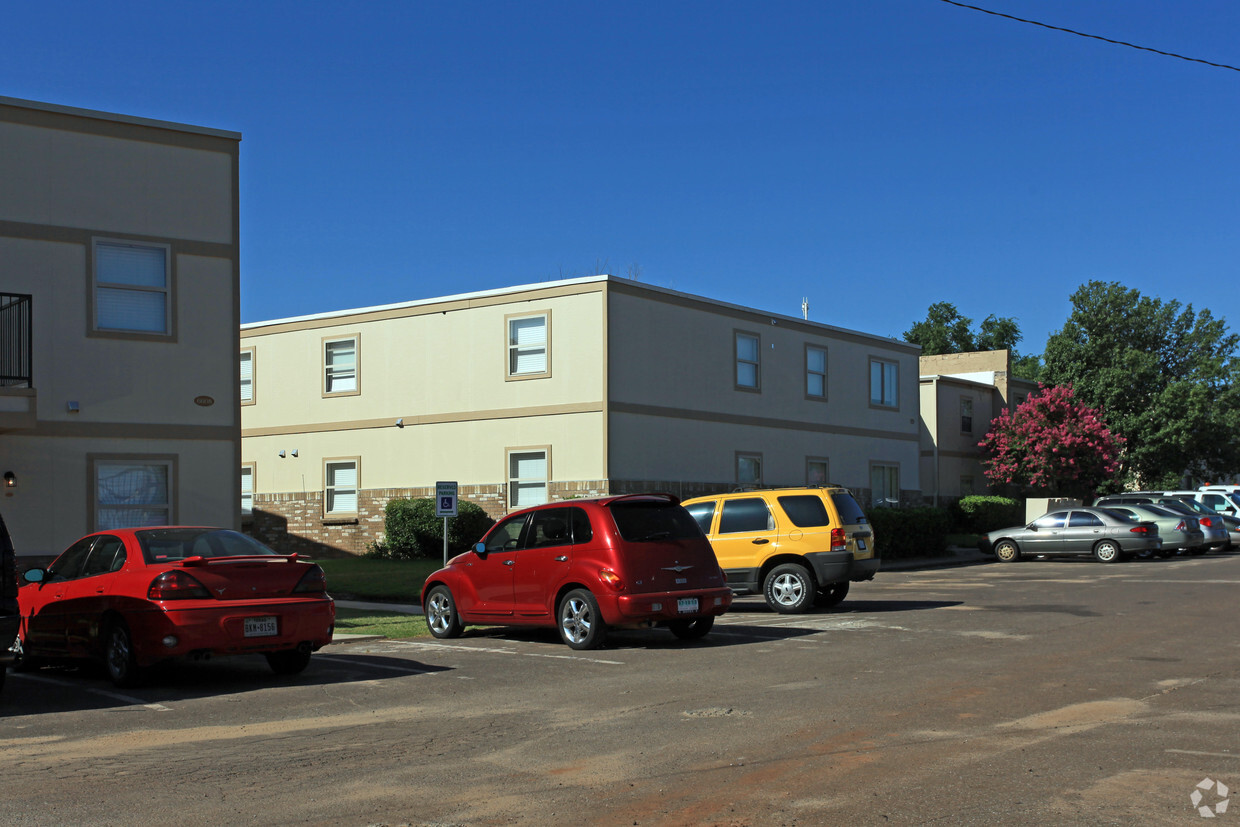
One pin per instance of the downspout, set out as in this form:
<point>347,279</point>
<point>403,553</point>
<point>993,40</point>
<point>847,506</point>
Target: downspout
<point>935,438</point>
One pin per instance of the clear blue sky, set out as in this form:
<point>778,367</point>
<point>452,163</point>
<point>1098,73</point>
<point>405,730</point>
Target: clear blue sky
<point>875,156</point>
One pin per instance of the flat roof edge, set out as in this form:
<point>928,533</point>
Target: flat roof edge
<point>113,116</point>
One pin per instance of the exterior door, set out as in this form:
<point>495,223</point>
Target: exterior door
<point>86,596</point>
<point>1083,530</point>
<point>747,534</point>
<point>1048,537</point>
<point>491,573</point>
<point>43,605</point>
<point>542,561</point>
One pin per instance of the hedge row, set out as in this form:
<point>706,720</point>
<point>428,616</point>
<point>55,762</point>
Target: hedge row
<point>412,529</point>
<point>921,532</point>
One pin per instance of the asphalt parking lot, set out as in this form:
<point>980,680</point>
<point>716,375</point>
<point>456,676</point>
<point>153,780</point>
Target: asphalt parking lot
<point>1034,693</point>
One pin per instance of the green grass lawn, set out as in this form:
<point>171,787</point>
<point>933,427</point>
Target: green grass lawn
<point>363,578</point>
<point>388,624</point>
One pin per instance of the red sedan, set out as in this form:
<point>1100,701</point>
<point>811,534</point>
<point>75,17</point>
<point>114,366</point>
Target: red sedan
<point>134,597</point>
<point>583,566</point>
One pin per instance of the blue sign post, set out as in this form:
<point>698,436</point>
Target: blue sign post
<point>445,506</point>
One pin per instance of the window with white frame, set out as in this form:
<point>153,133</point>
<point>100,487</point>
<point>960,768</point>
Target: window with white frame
<point>748,361</point>
<point>247,490</point>
<point>340,481</point>
<point>884,383</point>
<point>132,492</point>
<point>816,471</point>
<point>527,478</point>
<point>247,377</point>
<point>884,484</point>
<point>132,292</point>
<point>966,415</point>
<point>748,468</point>
<point>815,372</point>
<point>340,366</point>
<point>529,338</point>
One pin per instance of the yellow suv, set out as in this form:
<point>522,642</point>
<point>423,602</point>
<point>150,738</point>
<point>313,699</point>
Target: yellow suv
<point>800,547</point>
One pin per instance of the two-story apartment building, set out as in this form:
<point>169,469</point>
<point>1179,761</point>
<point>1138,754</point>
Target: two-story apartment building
<point>960,394</point>
<point>119,306</point>
<point>568,388</point>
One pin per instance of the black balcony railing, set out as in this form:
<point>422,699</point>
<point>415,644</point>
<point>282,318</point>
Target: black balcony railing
<point>16,341</point>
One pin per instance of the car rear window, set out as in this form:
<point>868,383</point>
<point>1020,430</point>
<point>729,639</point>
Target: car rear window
<point>703,513</point>
<point>849,510</point>
<point>805,510</point>
<point>161,545</point>
<point>641,522</point>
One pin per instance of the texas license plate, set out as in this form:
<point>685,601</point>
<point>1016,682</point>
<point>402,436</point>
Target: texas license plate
<point>687,604</point>
<point>261,627</point>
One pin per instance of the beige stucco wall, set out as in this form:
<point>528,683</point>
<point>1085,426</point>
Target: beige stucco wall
<point>947,452</point>
<point>68,178</point>
<point>71,177</point>
<point>441,368</point>
<point>672,382</point>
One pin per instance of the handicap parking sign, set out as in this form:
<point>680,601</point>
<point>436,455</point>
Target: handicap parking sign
<point>445,499</point>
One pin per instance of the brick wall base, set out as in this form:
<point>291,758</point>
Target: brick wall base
<point>294,521</point>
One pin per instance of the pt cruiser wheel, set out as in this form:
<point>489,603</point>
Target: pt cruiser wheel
<point>581,625</point>
<point>441,616</point>
<point>790,589</point>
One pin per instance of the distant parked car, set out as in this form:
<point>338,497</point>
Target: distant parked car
<point>134,597</point>
<point>1195,501</point>
<point>9,616</point>
<point>1108,536</point>
<point>584,566</point>
<point>1221,499</point>
<point>1211,525</point>
<point>1179,532</point>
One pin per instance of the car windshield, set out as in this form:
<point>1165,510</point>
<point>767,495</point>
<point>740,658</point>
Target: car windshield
<point>649,521</point>
<point>162,545</point>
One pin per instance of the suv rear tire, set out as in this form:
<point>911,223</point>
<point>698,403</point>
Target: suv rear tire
<point>790,589</point>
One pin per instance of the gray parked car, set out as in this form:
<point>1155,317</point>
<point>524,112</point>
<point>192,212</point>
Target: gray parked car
<point>1108,536</point>
<point>1178,531</point>
<point>1211,525</point>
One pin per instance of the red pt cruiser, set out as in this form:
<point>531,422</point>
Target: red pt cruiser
<point>582,566</point>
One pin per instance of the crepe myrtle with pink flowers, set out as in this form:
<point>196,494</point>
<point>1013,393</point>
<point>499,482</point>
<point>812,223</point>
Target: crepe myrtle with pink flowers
<point>1052,445</point>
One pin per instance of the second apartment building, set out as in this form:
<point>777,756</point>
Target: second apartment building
<point>569,388</point>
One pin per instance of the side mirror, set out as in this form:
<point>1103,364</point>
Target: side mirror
<point>1032,527</point>
<point>35,575</point>
<point>480,549</point>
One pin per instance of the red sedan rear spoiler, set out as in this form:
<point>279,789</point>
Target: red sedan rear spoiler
<point>199,560</point>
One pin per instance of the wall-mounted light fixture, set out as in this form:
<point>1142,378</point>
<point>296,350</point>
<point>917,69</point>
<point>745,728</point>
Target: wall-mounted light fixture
<point>400,423</point>
<point>294,452</point>
<point>281,453</point>
<point>10,480</point>
<point>72,407</point>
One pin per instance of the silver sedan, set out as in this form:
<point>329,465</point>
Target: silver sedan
<point>1108,536</point>
<point>1179,532</point>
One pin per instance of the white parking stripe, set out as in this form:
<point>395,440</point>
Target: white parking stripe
<point>116,696</point>
<point>419,645</point>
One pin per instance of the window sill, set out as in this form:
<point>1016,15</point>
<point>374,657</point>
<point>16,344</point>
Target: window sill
<point>342,520</point>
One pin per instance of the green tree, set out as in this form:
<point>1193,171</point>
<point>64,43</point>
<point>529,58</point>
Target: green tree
<point>946,331</point>
<point>1165,376</point>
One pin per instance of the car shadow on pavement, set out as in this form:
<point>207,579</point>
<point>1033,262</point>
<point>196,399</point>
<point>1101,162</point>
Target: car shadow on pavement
<point>758,607</point>
<point>86,686</point>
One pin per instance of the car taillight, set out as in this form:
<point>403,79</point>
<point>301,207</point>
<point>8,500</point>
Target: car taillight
<point>838,540</point>
<point>611,579</point>
<point>176,585</point>
<point>1205,521</point>
<point>1140,529</point>
<point>1180,526</point>
<point>312,582</point>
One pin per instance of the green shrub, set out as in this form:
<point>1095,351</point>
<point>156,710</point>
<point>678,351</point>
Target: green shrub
<point>910,532</point>
<point>411,529</point>
<point>978,515</point>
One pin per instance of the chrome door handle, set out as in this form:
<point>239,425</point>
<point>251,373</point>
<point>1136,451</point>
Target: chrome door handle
<point>509,562</point>
<point>561,559</point>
